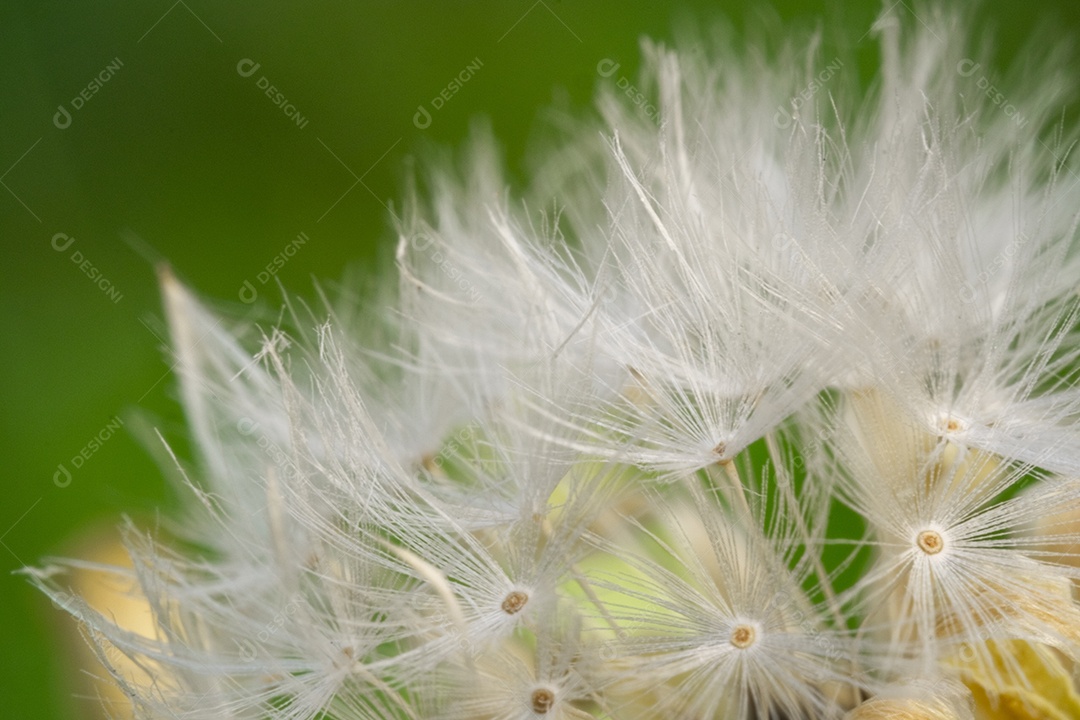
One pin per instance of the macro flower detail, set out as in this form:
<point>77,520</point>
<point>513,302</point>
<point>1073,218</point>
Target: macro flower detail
<point>763,420</point>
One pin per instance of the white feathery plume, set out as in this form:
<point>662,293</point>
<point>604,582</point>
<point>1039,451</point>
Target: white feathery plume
<point>720,336</point>
<point>954,565</point>
<point>774,415</point>
<point>726,613</point>
<point>546,679</point>
<point>973,307</point>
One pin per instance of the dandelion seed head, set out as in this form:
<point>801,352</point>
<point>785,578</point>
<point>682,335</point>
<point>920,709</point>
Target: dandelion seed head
<point>743,636</point>
<point>948,424</point>
<point>930,542</point>
<point>721,452</point>
<point>542,699</point>
<point>608,477</point>
<point>514,602</point>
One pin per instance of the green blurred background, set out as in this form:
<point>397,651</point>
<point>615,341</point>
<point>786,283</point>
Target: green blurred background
<point>177,156</point>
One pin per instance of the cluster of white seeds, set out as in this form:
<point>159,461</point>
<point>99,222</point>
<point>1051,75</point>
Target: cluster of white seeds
<point>722,418</point>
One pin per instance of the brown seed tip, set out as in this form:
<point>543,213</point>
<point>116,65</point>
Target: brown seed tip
<point>930,542</point>
<point>542,700</point>
<point>514,602</point>
<point>743,636</point>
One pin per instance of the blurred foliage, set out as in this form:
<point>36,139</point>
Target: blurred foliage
<point>177,156</point>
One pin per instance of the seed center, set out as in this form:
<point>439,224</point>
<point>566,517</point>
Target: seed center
<point>514,602</point>
<point>743,636</point>
<point>542,700</point>
<point>930,542</point>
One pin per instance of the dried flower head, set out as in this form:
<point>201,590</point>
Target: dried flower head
<point>778,416</point>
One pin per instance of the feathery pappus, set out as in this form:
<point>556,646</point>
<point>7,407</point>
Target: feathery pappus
<point>777,416</point>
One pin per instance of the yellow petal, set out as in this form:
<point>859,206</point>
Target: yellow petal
<point>1026,682</point>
